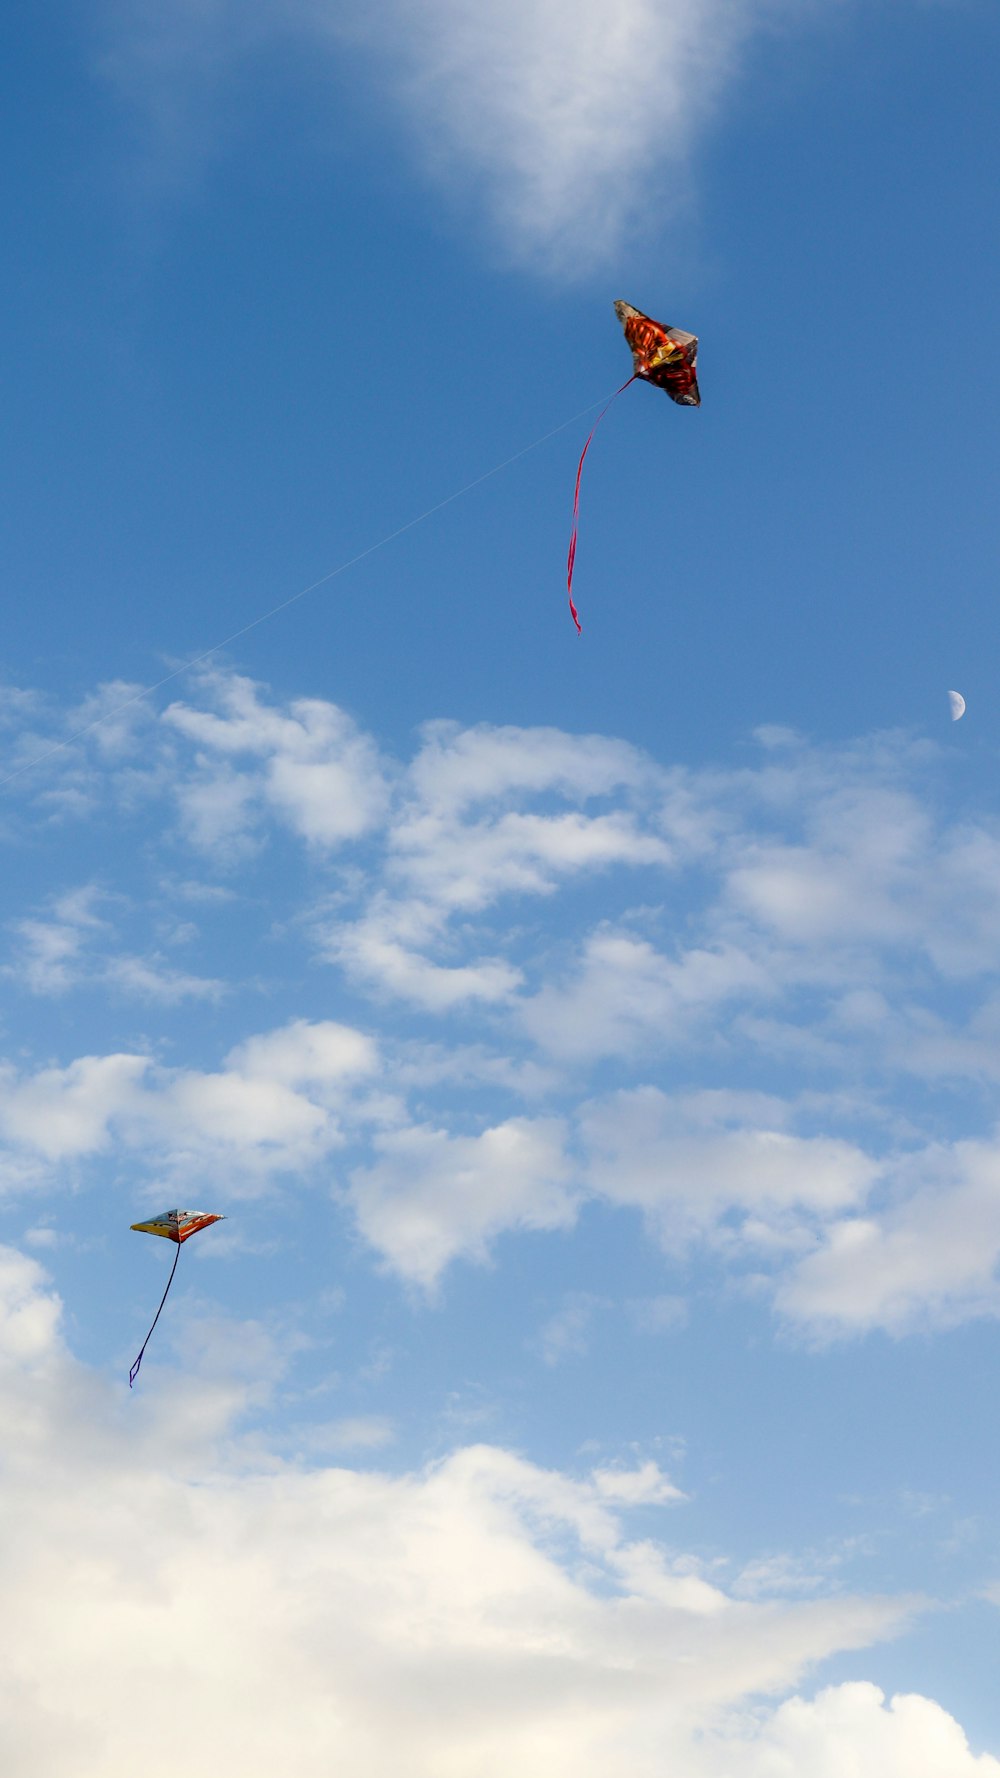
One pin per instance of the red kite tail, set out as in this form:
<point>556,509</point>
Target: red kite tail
<point>571,558</point>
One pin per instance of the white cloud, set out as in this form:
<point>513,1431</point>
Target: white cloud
<point>657,1314</point>
<point>481,817</point>
<point>358,1432</point>
<point>49,953</point>
<point>645,1486</point>
<point>868,864</point>
<point>386,950</point>
<point>310,767</point>
<point>815,919</point>
<point>565,113</point>
<point>302,1052</point>
<point>689,1162</point>
<point>480,1614</point>
<point>430,1197</point>
<point>274,1107</point>
<point>851,1729</point>
<point>64,1113</point>
<point>566,119</point>
<point>29,1312</point>
<point>566,1334</point>
<point>62,951</point>
<point>49,960</point>
<point>627,996</point>
<point>457,768</point>
<point>849,1240</point>
<point>931,1255</point>
<point>117,713</point>
<point>510,1612</point>
<point>150,978</point>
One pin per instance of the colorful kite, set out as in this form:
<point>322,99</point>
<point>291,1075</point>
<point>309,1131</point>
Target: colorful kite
<point>173,1225</point>
<point>662,355</point>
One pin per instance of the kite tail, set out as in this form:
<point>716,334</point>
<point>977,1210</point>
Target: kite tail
<point>571,558</point>
<point>134,1372</point>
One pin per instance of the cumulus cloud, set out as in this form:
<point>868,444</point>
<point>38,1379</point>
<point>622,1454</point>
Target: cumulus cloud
<point>65,1113</point>
<point>933,1251</point>
<point>624,995</point>
<point>302,1052</point>
<point>811,920</point>
<point>518,1617</point>
<point>273,1107</point>
<point>309,766</point>
<point>844,1238</point>
<point>482,817</point>
<point>645,1486</point>
<point>387,950</point>
<point>480,1613</point>
<point>691,1163</point>
<point>851,1728</point>
<point>429,1196</point>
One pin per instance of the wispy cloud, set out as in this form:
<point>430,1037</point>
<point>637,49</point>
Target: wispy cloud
<point>565,121</point>
<point>567,1333</point>
<point>569,117</point>
<point>70,945</point>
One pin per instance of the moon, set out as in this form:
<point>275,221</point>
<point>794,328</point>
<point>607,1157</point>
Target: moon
<point>956,704</point>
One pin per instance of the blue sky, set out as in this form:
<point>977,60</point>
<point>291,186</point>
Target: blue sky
<point>592,1043</point>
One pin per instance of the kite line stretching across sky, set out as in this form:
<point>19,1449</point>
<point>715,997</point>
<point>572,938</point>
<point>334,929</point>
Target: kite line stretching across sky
<point>172,1225</point>
<point>390,537</point>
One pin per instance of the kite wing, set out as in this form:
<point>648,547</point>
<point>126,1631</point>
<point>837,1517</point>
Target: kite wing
<point>662,355</point>
<point>173,1225</point>
<point>176,1225</point>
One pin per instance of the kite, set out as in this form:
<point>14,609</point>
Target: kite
<point>173,1225</point>
<point>665,356</point>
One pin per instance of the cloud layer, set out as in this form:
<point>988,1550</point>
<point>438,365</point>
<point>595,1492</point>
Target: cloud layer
<point>514,980</point>
<point>756,1008</point>
<point>477,1614</point>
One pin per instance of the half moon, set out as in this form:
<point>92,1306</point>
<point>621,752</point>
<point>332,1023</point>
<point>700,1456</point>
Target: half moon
<point>956,704</point>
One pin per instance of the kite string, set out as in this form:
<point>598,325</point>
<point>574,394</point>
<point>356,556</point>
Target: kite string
<point>178,672</point>
<point>134,1372</point>
<point>571,558</point>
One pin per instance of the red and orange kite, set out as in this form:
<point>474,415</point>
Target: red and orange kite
<point>662,355</point>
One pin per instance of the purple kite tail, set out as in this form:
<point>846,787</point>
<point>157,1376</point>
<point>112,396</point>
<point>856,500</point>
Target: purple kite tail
<point>134,1372</point>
